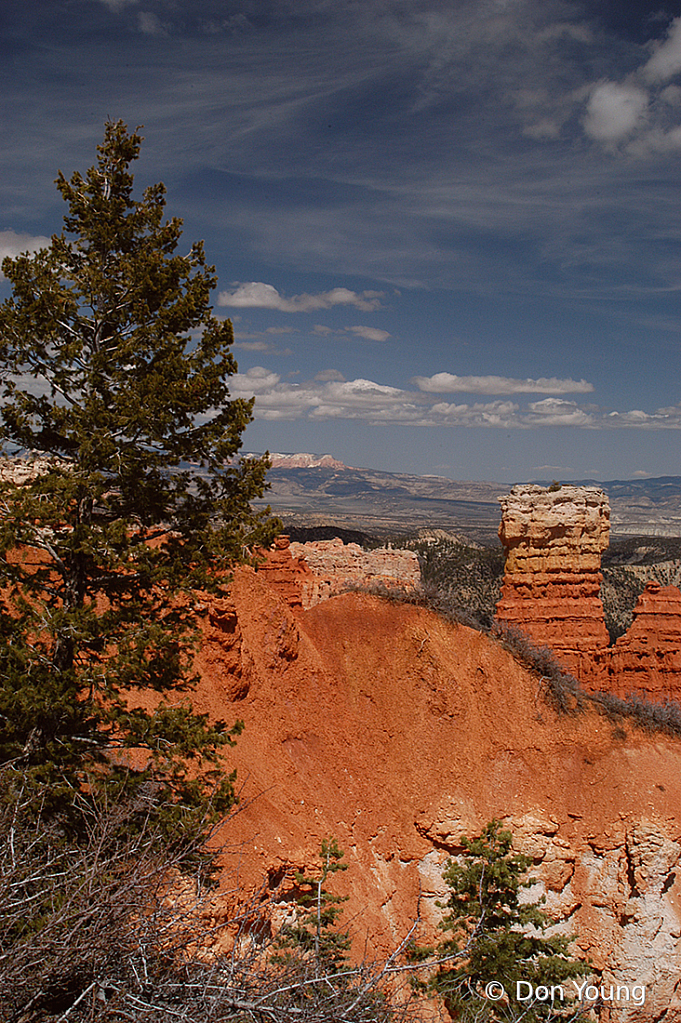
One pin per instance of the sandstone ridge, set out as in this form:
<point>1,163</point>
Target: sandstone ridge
<point>306,573</point>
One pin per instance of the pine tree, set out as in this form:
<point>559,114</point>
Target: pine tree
<point>115,372</point>
<point>314,932</point>
<point>501,938</point>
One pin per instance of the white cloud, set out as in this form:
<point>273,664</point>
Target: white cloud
<point>662,419</point>
<point>497,414</point>
<point>449,383</point>
<point>356,399</point>
<point>329,397</point>
<point>614,111</point>
<point>262,346</point>
<point>543,129</point>
<point>150,24</point>
<point>636,110</point>
<point>666,59</point>
<point>554,412</point>
<point>370,333</point>
<point>234,23</point>
<point>13,244</point>
<point>671,95</point>
<point>256,380</point>
<point>253,346</point>
<point>256,295</point>
<point>579,32</point>
<point>656,141</point>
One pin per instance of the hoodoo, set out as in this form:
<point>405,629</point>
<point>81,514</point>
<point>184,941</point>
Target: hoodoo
<point>554,540</point>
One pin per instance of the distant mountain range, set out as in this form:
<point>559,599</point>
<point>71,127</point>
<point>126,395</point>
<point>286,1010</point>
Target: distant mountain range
<point>313,490</point>
<point>302,460</point>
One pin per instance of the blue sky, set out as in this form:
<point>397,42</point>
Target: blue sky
<point>447,232</point>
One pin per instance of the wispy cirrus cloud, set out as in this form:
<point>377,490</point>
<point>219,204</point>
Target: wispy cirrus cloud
<point>511,166</point>
<point>450,383</point>
<point>118,5</point>
<point>257,295</point>
<point>665,61</point>
<point>150,24</point>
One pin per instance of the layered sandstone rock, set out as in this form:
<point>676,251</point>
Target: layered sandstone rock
<point>554,541</point>
<point>647,659</point>
<point>306,573</point>
<point>282,572</point>
<point>335,567</point>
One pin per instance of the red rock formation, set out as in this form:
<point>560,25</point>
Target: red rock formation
<point>647,659</point>
<point>396,732</point>
<point>554,540</point>
<point>305,573</point>
<point>336,567</point>
<point>282,572</point>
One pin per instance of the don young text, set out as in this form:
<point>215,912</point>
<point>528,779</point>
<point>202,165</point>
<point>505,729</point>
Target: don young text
<point>620,994</point>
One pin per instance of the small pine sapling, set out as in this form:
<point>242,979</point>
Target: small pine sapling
<point>495,936</point>
<point>314,933</point>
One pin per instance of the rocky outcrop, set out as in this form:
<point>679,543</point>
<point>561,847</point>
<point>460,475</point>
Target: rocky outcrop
<point>306,573</point>
<point>395,731</point>
<point>647,659</point>
<point>616,885</point>
<point>335,567</point>
<point>21,471</point>
<point>554,541</point>
<point>283,573</point>
<point>614,889</point>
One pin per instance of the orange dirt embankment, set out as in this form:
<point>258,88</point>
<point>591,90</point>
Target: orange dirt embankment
<point>395,731</point>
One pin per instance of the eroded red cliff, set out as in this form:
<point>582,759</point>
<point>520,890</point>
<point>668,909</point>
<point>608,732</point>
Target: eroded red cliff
<point>395,731</point>
<point>647,659</point>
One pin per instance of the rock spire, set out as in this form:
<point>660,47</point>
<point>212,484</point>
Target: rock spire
<point>554,540</point>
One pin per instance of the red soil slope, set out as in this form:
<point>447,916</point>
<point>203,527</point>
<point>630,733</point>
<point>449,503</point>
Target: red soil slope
<point>394,731</point>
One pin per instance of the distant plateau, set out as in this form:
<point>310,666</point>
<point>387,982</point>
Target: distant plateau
<point>310,489</point>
